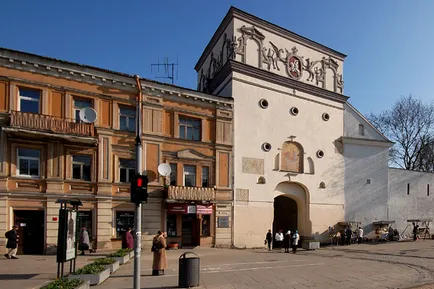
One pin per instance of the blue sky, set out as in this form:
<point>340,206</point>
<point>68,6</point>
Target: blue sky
<point>389,43</point>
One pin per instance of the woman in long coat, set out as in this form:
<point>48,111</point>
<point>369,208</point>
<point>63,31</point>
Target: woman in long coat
<point>159,263</point>
<point>286,241</point>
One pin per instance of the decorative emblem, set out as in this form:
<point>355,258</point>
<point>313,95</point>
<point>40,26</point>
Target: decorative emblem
<point>294,64</point>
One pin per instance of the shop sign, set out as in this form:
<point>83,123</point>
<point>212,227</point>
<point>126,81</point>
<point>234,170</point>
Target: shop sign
<point>191,209</point>
<point>177,208</point>
<point>204,210</point>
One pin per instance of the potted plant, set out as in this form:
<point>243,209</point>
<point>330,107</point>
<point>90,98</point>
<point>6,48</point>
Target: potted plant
<point>131,252</point>
<point>95,274</point>
<point>121,255</point>
<point>108,263</point>
<point>310,245</point>
<point>173,245</point>
<point>67,284</point>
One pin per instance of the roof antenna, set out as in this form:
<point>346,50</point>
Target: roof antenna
<point>169,68</point>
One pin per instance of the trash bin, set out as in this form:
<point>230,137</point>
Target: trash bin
<point>189,270</point>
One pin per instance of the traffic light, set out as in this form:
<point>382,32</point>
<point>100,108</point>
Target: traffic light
<point>139,189</point>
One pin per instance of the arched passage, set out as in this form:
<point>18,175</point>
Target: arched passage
<point>285,214</point>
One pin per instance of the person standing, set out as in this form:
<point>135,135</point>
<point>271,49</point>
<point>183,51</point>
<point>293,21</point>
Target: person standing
<point>278,238</point>
<point>127,240</point>
<point>359,235</point>
<point>269,239</point>
<point>295,239</point>
<point>159,262</point>
<point>287,241</point>
<point>415,231</point>
<point>84,241</point>
<point>12,244</point>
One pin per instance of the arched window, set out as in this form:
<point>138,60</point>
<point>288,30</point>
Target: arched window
<point>291,157</point>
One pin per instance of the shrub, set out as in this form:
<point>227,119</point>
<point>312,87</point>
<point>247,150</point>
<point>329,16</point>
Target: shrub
<point>90,269</point>
<point>309,241</point>
<point>64,284</point>
<point>119,253</point>
<point>104,261</point>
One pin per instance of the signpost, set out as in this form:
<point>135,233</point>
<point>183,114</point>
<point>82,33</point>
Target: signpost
<point>67,235</point>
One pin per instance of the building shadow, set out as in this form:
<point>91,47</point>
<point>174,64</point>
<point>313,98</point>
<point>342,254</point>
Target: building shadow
<point>17,276</point>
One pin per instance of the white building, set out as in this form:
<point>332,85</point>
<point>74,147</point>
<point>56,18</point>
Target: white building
<point>303,156</point>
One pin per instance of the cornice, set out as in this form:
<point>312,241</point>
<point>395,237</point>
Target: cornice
<point>259,22</point>
<point>367,142</point>
<point>234,66</point>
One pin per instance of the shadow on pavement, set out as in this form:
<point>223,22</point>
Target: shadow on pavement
<point>17,276</point>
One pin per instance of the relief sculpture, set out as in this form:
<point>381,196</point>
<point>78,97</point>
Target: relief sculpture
<point>291,157</point>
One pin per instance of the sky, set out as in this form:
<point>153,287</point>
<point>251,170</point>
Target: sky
<point>389,43</point>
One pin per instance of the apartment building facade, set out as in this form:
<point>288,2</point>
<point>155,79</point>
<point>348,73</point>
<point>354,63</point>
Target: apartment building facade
<point>47,154</point>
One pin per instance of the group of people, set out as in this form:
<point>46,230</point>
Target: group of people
<point>289,240</point>
<point>345,235</point>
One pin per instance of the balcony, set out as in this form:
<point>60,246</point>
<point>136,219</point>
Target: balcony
<point>191,193</point>
<point>50,126</point>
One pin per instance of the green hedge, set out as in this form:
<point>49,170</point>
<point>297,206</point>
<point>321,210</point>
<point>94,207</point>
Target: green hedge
<point>104,261</point>
<point>120,253</point>
<point>64,284</point>
<point>90,269</point>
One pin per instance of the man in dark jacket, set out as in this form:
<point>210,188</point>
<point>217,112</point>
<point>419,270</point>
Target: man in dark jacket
<point>12,243</point>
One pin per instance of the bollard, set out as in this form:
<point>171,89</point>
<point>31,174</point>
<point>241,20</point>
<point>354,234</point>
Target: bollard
<point>189,271</point>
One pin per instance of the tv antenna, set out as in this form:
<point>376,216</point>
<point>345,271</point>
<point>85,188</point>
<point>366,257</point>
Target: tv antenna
<point>169,68</point>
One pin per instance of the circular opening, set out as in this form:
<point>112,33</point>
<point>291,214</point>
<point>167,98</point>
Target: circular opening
<point>261,180</point>
<point>263,103</point>
<point>266,146</point>
<point>325,116</point>
<point>322,185</point>
<point>320,153</point>
<point>294,111</point>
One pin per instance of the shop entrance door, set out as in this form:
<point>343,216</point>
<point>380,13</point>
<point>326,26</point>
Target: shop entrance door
<point>85,220</point>
<point>190,230</point>
<point>31,231</point>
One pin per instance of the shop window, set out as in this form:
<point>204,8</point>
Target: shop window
<point>28,162</point>
<point>124,220</point>
<point>189,128</point>
<point>80,104</point>
<point>189,176</point>
<point>127,119</point>
<point>206,225</point>
<point>171,225</point>
<point>81,165</point>
<point>84,220</point>
<point>127,170</point>
<point>173,174</point>
<point>205,177</point>
<point>29,100</point>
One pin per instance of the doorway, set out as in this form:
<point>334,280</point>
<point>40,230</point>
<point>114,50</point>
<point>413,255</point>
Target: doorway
<point>285,214</point>
<point>85,220</point>
<point>31,231</point>
<point>190,230</point>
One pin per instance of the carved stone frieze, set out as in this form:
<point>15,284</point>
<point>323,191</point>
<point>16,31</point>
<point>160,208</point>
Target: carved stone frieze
<point>269,58</point>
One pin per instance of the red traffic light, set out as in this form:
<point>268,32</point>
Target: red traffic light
<point>139,182</point>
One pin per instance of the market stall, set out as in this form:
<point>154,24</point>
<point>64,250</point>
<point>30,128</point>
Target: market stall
<point>423,231</point>
<point>383,231</point>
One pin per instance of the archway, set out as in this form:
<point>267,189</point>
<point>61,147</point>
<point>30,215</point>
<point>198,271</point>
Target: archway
<point>285,214</point>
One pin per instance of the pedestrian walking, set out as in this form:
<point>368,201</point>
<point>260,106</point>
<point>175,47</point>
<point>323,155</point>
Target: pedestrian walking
<point>127,240</point>
<point>84,243</point>
<point>295,239</point>
<point>287,241</point>
<point>12,243</point>
<point>159,263</point>
<point>268,239</point>
<point>359,235</point>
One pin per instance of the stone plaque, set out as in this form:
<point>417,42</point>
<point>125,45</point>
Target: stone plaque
<point>253,166</point>
<point>223,222</point>
<point>242,195</point>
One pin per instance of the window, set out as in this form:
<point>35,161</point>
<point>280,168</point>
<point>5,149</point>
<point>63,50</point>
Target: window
<point>127,119</point>
<point>205,177</point>
<point>427,190</point>
<point>408,189</point>
<point>206,225</point>
<point>189,176</point>
<point>361,129</point>
<point>189,128</point>
<point>28,162</point>
<point>173,174</point>
<point>127,170</point>
<point>171,225</point>
<point>29,100</point>
<point>78,105</point>
<point>81,167</point>
<point>84,220</point>
<point>124,220</point>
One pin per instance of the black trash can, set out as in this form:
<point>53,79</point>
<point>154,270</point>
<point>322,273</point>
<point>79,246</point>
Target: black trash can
<point>189,271</point>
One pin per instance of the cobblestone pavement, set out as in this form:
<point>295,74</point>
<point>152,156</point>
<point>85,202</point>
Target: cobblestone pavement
<point>364,266</point>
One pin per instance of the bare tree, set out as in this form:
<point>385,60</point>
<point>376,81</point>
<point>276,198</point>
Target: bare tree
<point>409,124</point>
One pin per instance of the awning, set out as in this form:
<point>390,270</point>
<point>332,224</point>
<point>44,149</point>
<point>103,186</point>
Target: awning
<point>191,193</point>
<point>383,222</point>
<point>38,134</point>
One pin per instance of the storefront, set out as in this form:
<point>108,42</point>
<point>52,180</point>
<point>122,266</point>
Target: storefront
<point>190,224</point>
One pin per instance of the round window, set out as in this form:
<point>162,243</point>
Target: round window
<point>266,147</point>
<point>294,110</point>
<point>263,103</point>
<point>320,153</point>
<point>325,116</point>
